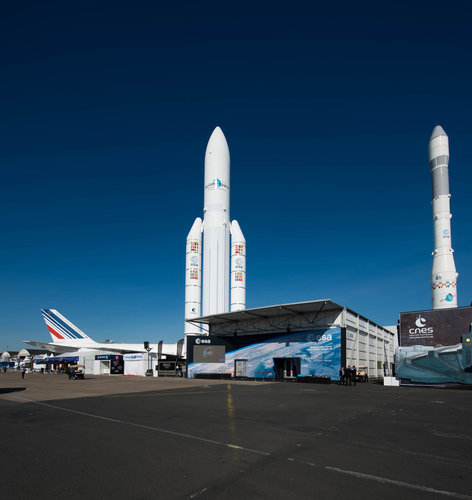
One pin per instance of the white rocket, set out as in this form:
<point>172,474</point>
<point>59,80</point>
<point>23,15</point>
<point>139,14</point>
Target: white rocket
<point>216,229</point>
<point>443,276</point>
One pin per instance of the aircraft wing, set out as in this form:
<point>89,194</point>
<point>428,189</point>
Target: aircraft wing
<point>52,347</point>
<point>49,347</point>
<point>121,350</point>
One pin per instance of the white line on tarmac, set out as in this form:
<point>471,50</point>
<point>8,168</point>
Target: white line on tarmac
<point>359,475</point>
<point>198,493</point>
<point>148,427</point>
<point>159,394</point>
<point>379,479</point>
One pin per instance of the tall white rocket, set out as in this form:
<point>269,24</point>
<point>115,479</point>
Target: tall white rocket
<point>216,274</point>
<point>444,275</point>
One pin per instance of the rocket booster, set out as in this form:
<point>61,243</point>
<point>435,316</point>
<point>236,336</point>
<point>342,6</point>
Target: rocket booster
<point>193,275</point>
<point>207,287</point>
<point>444,275</point>
<point>238,268</point>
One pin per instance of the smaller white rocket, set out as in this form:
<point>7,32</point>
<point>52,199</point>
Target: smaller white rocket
<point>444,275</point>
<point>216,229</point>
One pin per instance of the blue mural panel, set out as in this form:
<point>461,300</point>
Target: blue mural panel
<point>319,352</point>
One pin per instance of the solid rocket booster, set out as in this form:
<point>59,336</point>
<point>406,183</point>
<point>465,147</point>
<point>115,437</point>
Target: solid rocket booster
<point>193,275</point>
<point>238,268</point>
<point>207,289</point>
<point>444,275</point>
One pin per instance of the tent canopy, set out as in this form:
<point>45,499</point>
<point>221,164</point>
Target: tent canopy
<point>57,359</point>
<point>273,319</point>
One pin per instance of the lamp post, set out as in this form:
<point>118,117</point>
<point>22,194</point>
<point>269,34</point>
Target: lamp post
<point>148,349</point>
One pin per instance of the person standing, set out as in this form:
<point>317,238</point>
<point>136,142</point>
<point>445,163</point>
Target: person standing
<point>347,374</point>
<point>354,374</point>
<point>342,376</point>
<point>23,371</point>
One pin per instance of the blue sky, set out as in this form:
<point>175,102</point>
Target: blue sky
<point>106,109</point>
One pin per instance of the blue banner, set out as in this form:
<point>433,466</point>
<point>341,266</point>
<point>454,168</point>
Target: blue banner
<point>317,353</point>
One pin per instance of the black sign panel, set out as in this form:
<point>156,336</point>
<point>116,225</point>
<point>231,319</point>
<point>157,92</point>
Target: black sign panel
<point>107,357</point>
<point>180,346</point>
<point>435,327</point>
<point>117,366</point>
<point>209,353</point>
<point>168,366</point>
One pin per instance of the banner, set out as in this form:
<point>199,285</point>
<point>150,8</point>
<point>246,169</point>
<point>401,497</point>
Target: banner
<point>435,327</point>
<point>315,352</point>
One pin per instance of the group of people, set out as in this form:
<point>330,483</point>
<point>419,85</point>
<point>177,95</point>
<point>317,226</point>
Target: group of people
<point>348,375</point>
<point>22,370</point>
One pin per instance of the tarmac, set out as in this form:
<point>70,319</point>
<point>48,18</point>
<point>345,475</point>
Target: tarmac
<point>132,437</point>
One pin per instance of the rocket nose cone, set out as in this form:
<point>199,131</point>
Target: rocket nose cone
<point>217,142</point>
<point>217,136</point>
<point>438,130</point>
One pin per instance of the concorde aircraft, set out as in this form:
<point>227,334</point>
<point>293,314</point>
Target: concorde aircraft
<point>66,337</point>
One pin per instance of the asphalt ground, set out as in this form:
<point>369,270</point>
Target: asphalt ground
<point>120,437</point>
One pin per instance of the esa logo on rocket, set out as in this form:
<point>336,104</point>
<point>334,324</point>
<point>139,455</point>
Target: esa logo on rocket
<point>217,184</point>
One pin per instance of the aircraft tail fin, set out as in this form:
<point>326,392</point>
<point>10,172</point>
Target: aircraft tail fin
<point>61,328</point>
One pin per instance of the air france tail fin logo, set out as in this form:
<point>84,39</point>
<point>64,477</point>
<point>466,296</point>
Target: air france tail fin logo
<point>60,327</point>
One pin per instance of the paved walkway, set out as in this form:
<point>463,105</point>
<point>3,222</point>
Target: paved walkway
<point>44,387</point>
<point>126,438</point>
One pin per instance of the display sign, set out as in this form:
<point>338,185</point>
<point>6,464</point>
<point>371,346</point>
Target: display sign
<point>209,353</point>
<point>136,356</point>
<point>435,327</point>
<point>167,366</point>
<point>117,366</point>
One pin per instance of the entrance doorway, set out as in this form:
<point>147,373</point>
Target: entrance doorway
<point>104,367</point>
<point>286,368</point>
<point>240,367</point>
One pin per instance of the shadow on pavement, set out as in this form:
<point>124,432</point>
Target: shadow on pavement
<point>11,389</point>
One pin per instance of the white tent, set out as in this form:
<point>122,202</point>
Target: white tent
<point>138,363</point>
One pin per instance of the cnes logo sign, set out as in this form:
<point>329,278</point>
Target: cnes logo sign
<point>420,322</point>
<point>421,326</point>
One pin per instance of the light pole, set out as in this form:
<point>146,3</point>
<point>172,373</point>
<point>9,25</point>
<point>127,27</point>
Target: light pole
<point>148,349</point>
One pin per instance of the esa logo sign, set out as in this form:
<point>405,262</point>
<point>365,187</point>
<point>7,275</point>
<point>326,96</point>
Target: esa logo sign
<point>326,337</point>
<point>420,326</point>
<point>202,341</point>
